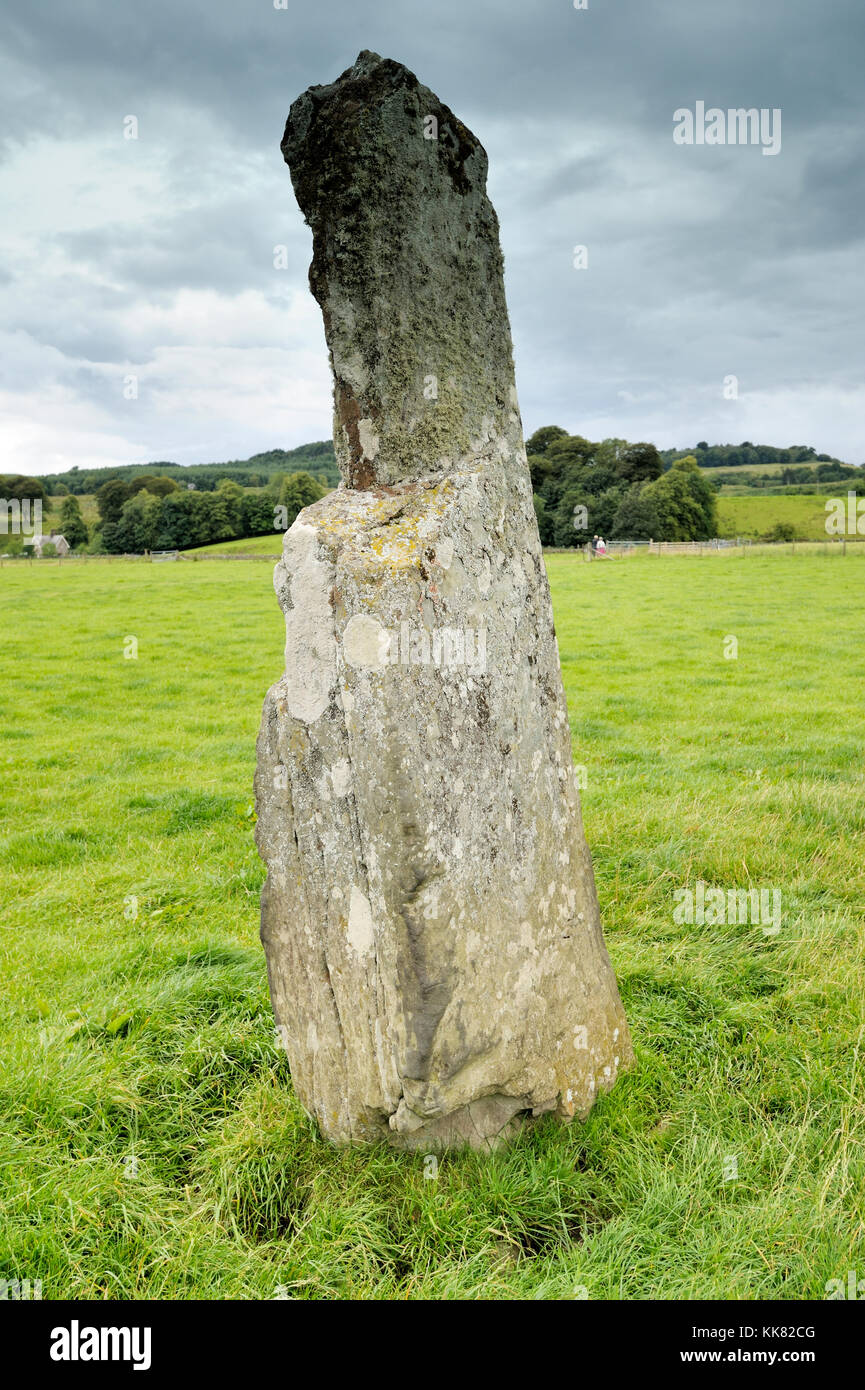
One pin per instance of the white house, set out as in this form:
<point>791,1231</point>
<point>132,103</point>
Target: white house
<point>60,543</point>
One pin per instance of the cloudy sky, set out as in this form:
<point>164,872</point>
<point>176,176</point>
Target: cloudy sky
<point>153,257</point>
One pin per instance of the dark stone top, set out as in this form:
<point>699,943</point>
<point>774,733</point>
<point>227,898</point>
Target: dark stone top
<point>407,269</point>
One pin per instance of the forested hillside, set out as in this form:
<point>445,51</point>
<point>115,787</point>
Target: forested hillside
<point>317,459</point>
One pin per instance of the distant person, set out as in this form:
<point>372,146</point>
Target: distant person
<point>594,545</point>
<point>600,546</point>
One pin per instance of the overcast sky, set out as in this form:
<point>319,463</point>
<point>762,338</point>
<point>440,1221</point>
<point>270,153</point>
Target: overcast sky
<point>154,257</point>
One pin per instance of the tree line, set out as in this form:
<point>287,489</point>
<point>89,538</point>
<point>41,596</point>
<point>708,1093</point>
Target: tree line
<point>612,488</point>
<point>747,454</point>
<point>154,513</point>
<point>616,490</point>
<point>317,459</point>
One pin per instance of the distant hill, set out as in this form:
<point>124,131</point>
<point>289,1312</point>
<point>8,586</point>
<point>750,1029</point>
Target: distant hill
<point>747,455</point>
<point>801,464</point>
<point>317,459</point>
<point>770,469</point>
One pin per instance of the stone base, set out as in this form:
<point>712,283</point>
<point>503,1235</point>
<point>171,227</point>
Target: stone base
<point>430,919</point>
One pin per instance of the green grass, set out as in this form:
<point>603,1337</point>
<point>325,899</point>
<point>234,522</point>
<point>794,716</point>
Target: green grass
<point>764,469</point>
<point>150,1145</point>
<point>87,503</point>
<point>755,515</point>
<point>253,545</point>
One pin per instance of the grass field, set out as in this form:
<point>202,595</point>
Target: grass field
<point>87,503</point>
<point>150,1146</point>
<point>756,515</point>
<point>253,545</point>
<point>762,469</point>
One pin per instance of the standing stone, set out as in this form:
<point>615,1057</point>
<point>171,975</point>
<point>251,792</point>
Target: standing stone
<point>430,920</point>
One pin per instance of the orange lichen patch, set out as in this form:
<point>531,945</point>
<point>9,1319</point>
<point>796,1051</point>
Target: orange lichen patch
<point>395,525</point>
<point>297,742</point>
<point>400,542</point>
<point>361,472</point>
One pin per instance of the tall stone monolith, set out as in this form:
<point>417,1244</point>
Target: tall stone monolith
<point>430,919</point>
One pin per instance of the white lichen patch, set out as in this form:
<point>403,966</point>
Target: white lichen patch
<point>310,646</point>
<point>365,644</point>
<point>445,552</point>
<point>361,937</point>
<point>340,777</point>
<point>369,440</point>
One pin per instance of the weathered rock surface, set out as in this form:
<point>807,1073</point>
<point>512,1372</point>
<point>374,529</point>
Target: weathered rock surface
<point>430,919</point>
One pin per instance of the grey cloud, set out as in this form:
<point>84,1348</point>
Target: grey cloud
<point>702,261</point>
